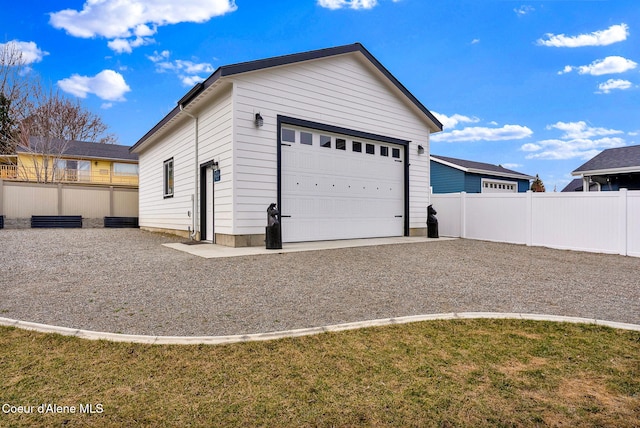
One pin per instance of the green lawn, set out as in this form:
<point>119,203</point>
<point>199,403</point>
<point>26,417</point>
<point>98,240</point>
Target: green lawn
<point>475,373</point>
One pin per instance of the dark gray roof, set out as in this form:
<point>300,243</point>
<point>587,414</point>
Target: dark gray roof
<point>574,186</point>
<point>244,67</point>
<point>83,149</point>
<point>621,157</point>
<point>481,167</point>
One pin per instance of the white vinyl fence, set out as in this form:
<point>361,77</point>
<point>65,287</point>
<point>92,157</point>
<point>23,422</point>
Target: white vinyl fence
<point>603,222</point>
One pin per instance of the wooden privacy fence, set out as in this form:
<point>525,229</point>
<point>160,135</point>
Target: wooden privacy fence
<point>603,222</point>
<point>21,200</point>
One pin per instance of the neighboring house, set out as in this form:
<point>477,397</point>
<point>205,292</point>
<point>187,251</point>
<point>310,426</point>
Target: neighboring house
<point>72,161</point>
<point>451,175</point>
<point>329,135</point>
<point>612,169</point>
<point>576,186</point>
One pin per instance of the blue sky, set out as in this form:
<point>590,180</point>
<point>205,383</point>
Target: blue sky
<point>536,86</point>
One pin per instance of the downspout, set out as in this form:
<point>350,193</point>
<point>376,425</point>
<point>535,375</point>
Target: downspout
<point>193,229</point>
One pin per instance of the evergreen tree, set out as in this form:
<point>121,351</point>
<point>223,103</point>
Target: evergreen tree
<point>537,185</point>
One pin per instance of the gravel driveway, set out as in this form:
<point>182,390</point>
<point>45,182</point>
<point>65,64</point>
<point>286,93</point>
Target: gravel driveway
<point>125,281</point>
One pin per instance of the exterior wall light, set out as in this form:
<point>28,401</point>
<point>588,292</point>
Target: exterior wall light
<point>420,149</point>
<point>259,121</point>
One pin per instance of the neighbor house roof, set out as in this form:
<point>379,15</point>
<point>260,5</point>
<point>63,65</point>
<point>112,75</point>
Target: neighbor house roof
<point>576,185</point>
<point>479,167</point>
<point>82,149</point>
<point>612,161</point>
<point>245,67</point>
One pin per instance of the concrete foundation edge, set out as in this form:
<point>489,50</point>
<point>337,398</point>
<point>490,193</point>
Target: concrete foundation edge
<point>218,340</point>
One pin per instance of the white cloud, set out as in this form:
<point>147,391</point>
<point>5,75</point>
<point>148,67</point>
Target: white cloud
<point>577,142</point>
<point>126,45</point>
<point>107,85</point>
<point>611,84</point>
<point>188,72</point>
<point>479,133</point>
<point>573,130</point>
<point>614,34</point>
<point>130,23</point>
<point>574,149</point>
<point>30,52</point>
<point>609,65</point>
<point>352,4</point>
<point>524,10</point>
<point>453,121</point>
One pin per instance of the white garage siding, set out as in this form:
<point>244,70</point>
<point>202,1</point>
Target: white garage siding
<point>215,144</point>
<point>215,137</point>
<point>343,91</point>
<point>156,211</point>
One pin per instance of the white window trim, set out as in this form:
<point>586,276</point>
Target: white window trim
<point>168,192</point>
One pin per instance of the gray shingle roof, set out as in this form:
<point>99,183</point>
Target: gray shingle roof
<point>621,157</point>
<point>481,167</point>
<point>83,149</point>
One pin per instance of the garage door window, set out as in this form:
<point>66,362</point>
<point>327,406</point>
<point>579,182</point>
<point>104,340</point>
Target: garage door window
<point>371,149</point>
<point>395,153</point>
<point>357,147</point>
<point>384,151</point>
<point>341,144</point>
<point>325,141</point>
<point>288,135</point>
<point>306,138</point>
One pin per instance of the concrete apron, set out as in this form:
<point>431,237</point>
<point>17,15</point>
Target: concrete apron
<point>209,251</point>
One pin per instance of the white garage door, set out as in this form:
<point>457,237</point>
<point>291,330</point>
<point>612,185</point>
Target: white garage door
<point>339,187</point>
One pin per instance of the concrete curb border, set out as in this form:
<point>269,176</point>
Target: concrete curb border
<point>218,340</point>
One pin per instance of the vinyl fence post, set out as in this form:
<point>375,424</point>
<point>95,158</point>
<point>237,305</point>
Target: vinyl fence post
<point>1,196</point>
<point>111,201</point>
<point>463,214</point>
<point>60,208</point>
<point>529,218</point>
<point>623,207</point>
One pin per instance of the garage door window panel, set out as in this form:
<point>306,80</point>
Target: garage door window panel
<point>288,135</point>
<point>325,141</point>
<point>306,138</point>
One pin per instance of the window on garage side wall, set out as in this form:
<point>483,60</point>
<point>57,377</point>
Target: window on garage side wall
<point>168,178</point>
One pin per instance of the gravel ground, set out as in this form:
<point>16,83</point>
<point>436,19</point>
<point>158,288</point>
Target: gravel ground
<point>125,281</point>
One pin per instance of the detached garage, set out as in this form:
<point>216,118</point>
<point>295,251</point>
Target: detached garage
<point>330,136</point>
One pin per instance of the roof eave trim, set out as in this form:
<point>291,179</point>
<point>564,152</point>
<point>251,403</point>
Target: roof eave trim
<point>608,171</point>
<point>481,171</point>
<point>501,174</point>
